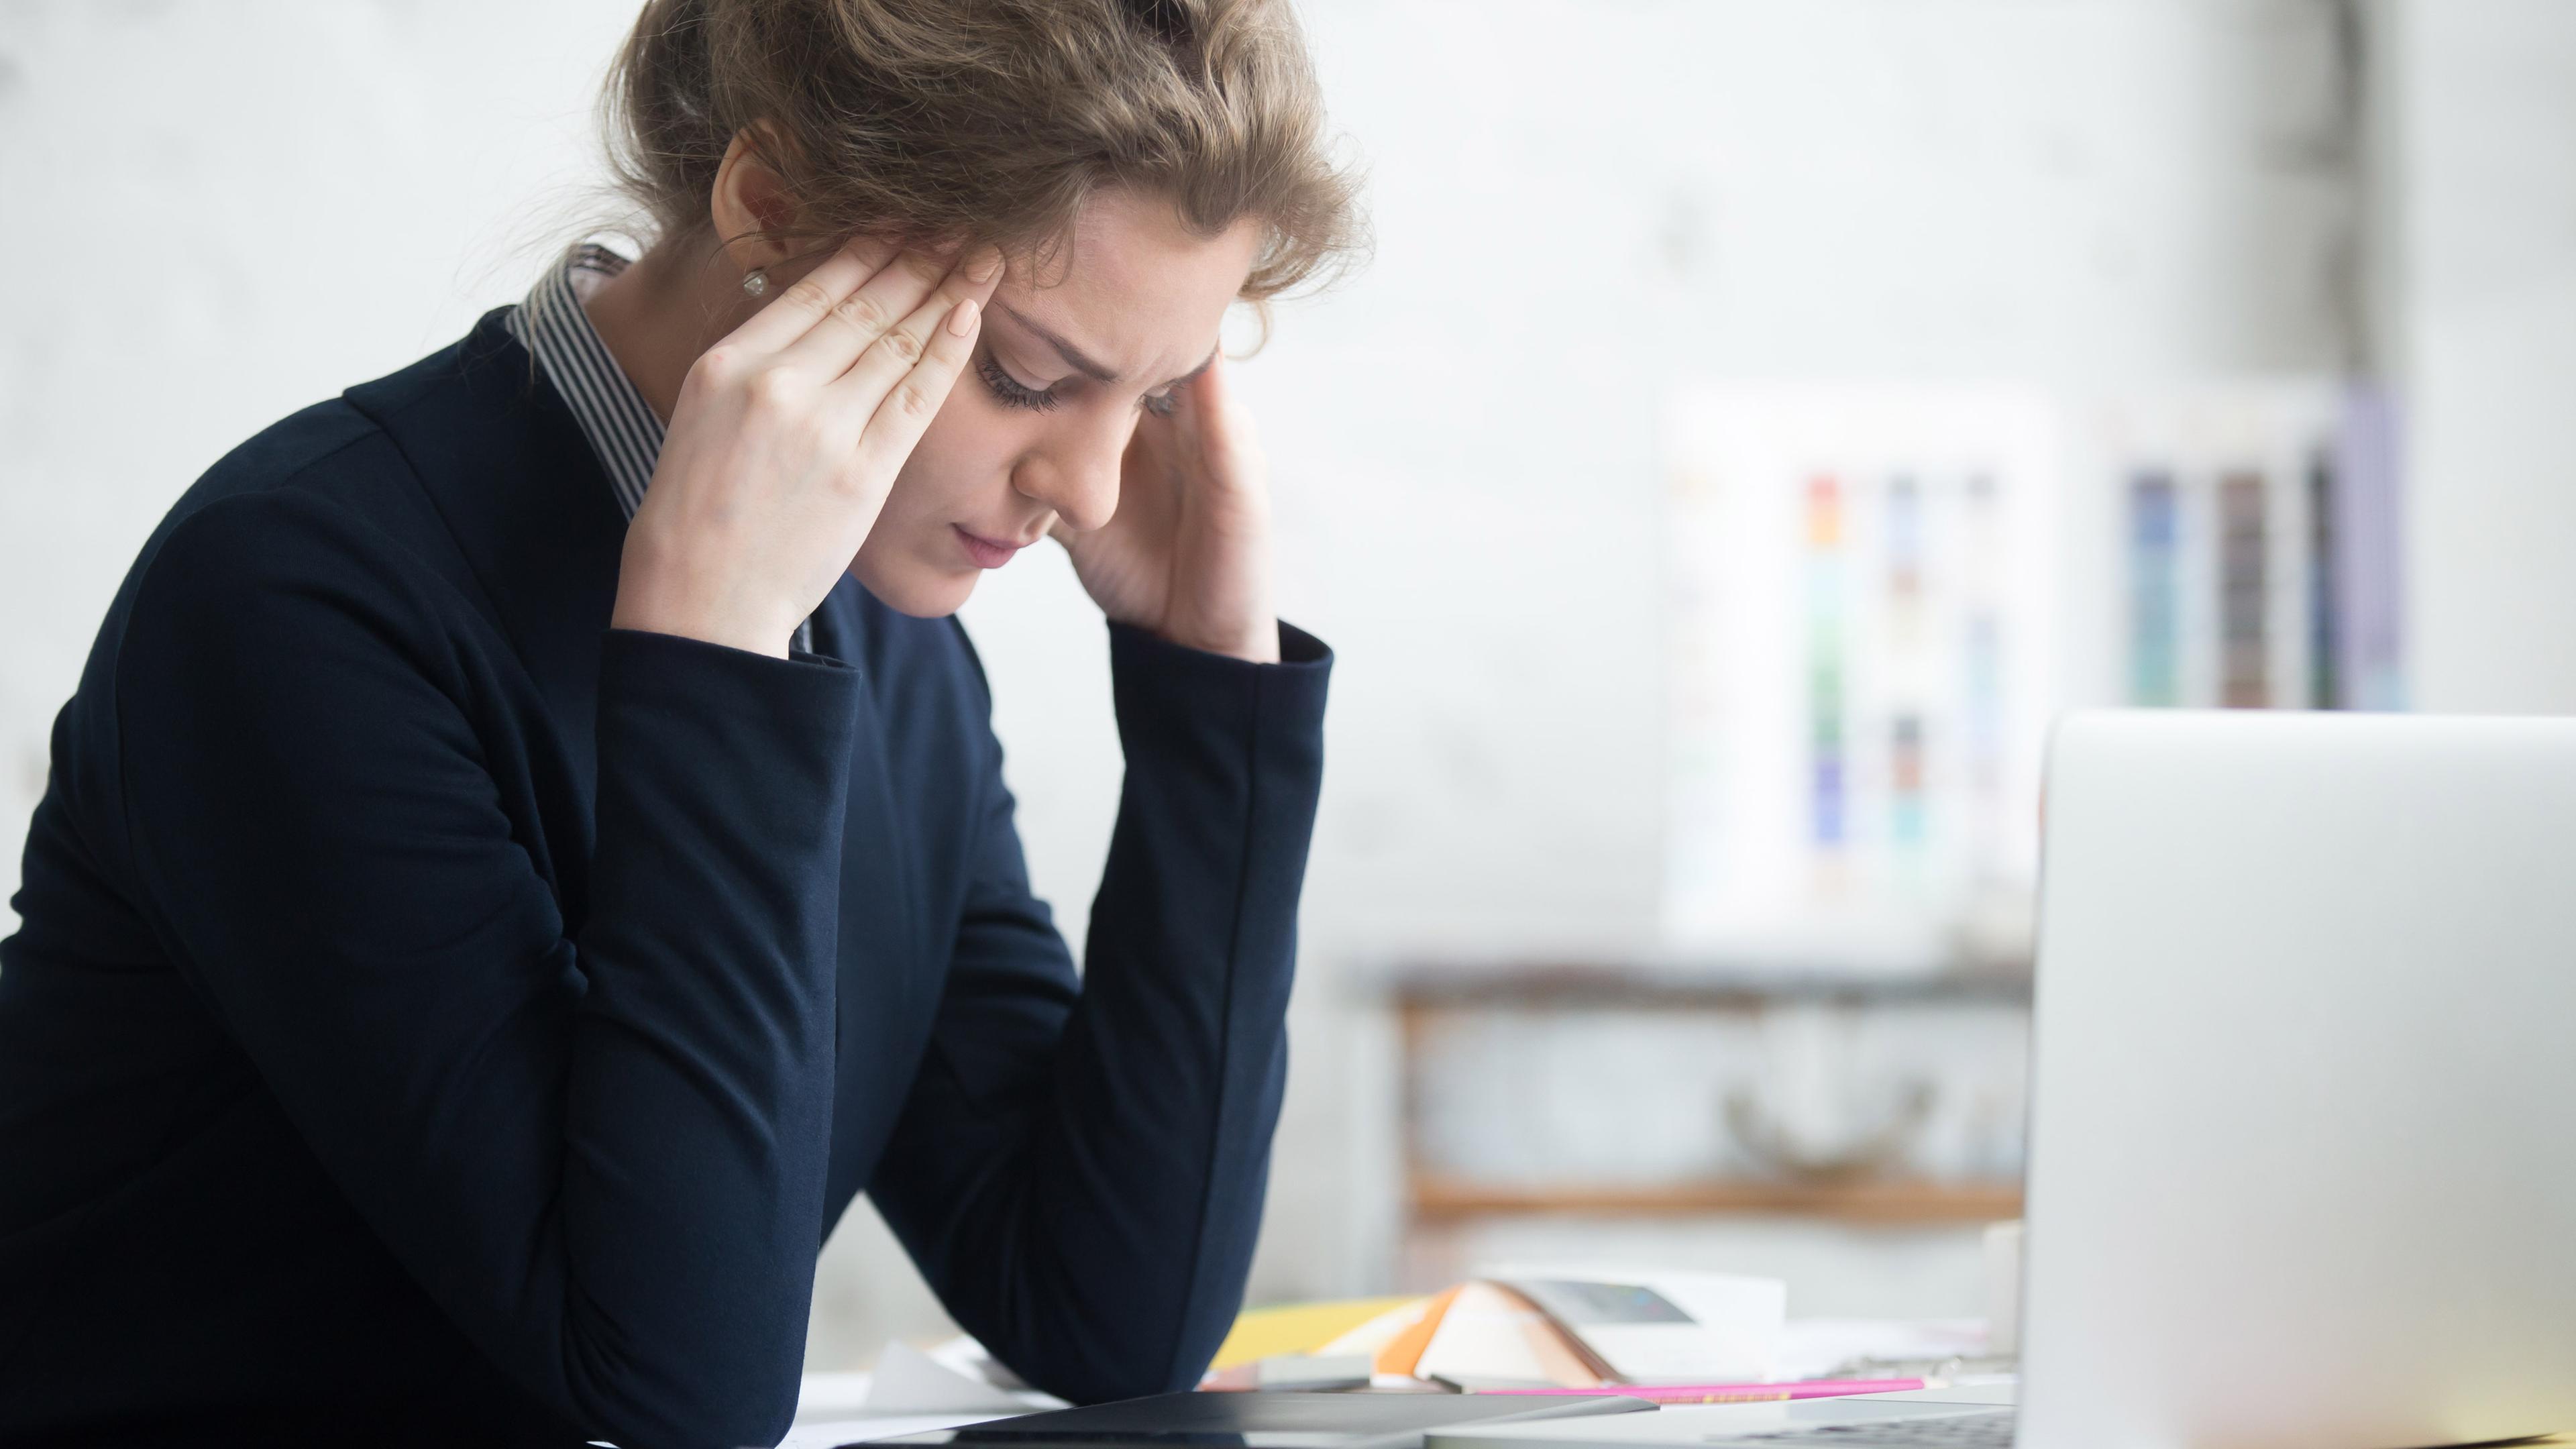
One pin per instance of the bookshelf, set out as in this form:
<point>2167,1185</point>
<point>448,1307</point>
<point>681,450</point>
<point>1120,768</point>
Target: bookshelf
<point>1437,1199</point>
<point>1487,1050</point>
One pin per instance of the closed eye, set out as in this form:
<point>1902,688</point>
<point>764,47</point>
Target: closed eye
<point>1160,404</point>
<point>1011,392</point>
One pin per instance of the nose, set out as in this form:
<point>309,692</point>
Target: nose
<point>1076,475</point>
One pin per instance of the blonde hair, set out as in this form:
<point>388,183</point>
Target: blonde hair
<point>989,120</point>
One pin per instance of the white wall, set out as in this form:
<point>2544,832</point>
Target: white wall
<point>2481,280</point>
<point>213,213</point>
<point>1578,203</point>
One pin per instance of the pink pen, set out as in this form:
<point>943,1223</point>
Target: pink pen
<point>1740,1393</point>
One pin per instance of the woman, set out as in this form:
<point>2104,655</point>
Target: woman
<point>529,846</point>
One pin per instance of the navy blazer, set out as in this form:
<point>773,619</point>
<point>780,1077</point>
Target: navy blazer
<point>440,1015</point>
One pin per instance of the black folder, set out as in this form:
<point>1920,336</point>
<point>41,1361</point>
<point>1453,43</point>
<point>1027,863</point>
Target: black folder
<point>1266,1421</point>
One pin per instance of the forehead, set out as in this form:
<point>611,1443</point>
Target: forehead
<point>1135,288</point>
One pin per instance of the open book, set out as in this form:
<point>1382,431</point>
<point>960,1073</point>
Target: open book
<point>1531,1326</point>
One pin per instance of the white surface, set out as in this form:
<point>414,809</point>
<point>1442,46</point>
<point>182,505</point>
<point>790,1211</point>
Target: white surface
<point>2300,1159</point>
<point>1819,1348</point>
<point>835,1394</point>
<point>2479,271</point>
<point>837,1407</point>
<point>2003,1288</point>
<point>1996,1390</point>
<point>908,1381</point>
<point>830,1433</point>
<point>1702,1423</point>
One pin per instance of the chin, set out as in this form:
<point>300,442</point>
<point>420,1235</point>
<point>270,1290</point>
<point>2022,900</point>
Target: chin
<point>924,593</point>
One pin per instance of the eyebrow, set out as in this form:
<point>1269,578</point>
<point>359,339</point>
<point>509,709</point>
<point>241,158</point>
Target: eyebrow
<point>1082,361</point>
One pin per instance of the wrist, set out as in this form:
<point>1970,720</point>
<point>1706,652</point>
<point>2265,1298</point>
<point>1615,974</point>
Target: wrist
<point>1256,643</point>
<point>659,599</point>
<point>732,634</point>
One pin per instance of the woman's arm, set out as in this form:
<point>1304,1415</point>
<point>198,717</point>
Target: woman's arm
<point>585,1102</point>
<point>597,1142</point>
<point>1079,1171</point>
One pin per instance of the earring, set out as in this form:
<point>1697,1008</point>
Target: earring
<point>755,282</point>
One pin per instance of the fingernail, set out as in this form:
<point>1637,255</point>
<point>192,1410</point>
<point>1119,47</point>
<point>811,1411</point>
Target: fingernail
<point>961,320</point>
<point>986,267</point>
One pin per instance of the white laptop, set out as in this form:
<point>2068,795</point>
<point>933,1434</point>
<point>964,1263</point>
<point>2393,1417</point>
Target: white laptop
<point>2303,1124</point>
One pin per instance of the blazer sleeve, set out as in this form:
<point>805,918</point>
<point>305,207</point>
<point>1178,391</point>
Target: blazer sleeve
<point>1079,1169</point>
<point>599,1145</point>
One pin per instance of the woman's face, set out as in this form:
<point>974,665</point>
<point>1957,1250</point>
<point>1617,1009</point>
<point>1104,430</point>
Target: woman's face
<point>1033,432</point>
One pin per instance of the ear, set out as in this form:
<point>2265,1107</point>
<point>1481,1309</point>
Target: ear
<point>749,198</point>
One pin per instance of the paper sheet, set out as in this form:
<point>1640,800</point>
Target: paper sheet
<point>908,1381</point>
<point>832,1433</point>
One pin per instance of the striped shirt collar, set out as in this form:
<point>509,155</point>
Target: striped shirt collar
<point>621,427</point>
<point>614,416</point>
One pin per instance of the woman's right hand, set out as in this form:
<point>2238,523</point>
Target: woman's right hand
<point>785,438</point>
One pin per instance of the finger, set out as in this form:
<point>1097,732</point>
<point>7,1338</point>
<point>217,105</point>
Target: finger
<point>847,327</point>
<point>1209,396</point>
<point>885,361</point>
<point>1218,419</point>
<point>795,310</point>
<point>909,406</point>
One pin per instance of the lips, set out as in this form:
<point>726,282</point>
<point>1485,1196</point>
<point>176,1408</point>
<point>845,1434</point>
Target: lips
<point>988,553</point>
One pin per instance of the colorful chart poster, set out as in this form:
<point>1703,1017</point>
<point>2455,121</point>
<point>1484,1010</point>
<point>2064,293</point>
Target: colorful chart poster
<point>1879,596</point>
<point>1862,657</point>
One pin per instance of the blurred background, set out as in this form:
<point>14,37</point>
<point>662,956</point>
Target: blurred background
<point>1758,419</point>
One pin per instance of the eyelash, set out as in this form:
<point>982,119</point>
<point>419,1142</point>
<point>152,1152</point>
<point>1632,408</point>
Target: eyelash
<point>1011,393</point>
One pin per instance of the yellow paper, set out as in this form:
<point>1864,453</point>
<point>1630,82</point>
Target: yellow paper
<point>1297,1327</point>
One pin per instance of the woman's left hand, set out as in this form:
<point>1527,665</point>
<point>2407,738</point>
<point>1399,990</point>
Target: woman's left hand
<point>1187,554</point>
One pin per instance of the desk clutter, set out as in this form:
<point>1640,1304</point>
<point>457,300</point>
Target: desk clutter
<point>1665,1336</point>
<point>1541,1327</point>
<point>1536,1333</point>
